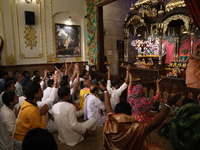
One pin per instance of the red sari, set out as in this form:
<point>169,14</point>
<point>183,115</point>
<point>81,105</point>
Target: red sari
<point>140,103</point>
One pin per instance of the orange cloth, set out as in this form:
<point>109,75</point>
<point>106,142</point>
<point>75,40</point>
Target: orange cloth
<point>123,132</point>
<point>193,74</point>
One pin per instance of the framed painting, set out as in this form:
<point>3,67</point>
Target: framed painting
<point>67,40</point>
<point>183,58</point>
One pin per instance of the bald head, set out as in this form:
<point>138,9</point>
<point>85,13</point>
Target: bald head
<point>87,83</point>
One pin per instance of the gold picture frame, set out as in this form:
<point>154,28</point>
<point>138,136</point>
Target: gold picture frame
<point>67,40</point>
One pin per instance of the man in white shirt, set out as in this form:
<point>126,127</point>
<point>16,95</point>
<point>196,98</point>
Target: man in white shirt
<point>48,90</point>
<point>116,90</point>
<point>50,97</point>
<point>9,86</point>
<point>7,120</point>
<point>70,131</point>
<point>18,85</point>
<point>94,107</point>
<point>40,80</point>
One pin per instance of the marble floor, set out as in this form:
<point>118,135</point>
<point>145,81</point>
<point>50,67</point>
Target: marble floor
<point>95,142</point>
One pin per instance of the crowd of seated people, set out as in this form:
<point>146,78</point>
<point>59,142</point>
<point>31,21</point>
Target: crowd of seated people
<point>54,102</point>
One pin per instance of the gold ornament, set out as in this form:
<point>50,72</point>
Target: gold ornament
<point>143,2</point>
<point>40,55</point>
<point>38,1</point>
<point>173,4</point>
<point>78,58</point>
<point>30,36</point>
<point>50,58</point>
<point>22,56</point>
<point>10,60</point>
<point>184,18</point>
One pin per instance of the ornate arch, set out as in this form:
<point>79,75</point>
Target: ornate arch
<point>184,18</point>
<point>134,17</point>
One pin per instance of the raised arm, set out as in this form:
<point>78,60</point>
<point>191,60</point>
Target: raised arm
<point>130,80</point>
<point>76,85</point>
<point>76,67</point>
<point>106,98</point>
<point>67,70</point>
<point>55,80</point>
<point>160,117</point>
<point>128,67</point>
<point>43,79</point>
<point>45,74</point>
<point>59,73</point>
<point>108,68</point>
<point>158,81</point>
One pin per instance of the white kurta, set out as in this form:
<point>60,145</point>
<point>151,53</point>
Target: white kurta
<point>70,131</point>
<point>93,109</point>
<point>21,100</point>
<point>1,101</point>
<point>115,93</point>
<point>7,124</point>
<point>46,93</point>
<point>49,101</point>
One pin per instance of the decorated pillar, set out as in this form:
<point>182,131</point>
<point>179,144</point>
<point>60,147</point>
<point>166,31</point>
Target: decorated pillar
<point>176,48</point>
<point>160,28</point>
<point>160,51</point>
<point>126,41</point>
<point>92,30</point>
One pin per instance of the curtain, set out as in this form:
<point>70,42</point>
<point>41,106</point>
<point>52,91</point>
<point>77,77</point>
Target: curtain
<point>193,7</point>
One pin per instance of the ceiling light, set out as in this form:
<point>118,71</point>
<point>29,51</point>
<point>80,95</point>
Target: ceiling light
<point>28,1</point>
<point>69,18</point>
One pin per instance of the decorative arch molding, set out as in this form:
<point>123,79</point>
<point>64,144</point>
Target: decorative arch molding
<point>60,12</point>
<point>134,17</point>
<point>184,18</point>
<point>140,25</point>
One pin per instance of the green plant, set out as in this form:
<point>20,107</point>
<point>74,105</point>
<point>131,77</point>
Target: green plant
<point>185,51</point>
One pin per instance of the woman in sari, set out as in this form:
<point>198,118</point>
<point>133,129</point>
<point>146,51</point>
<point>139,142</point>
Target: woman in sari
<point>193,70</point>
<point>139,102</point>
<point>122,131</point>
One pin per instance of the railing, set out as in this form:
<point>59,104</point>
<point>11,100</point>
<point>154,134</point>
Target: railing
<point>167,88</point>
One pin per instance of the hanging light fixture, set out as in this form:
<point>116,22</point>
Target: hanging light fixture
<point>28,1</point>
<point>69,18</point>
